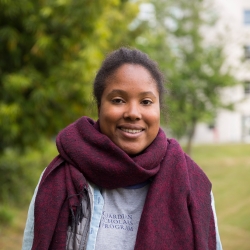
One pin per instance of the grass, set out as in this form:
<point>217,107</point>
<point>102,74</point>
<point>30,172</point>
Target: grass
<point>11,235</point>
<point>227,166</point>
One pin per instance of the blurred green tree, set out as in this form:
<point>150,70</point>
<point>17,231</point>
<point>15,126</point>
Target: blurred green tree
<point>49,52</point>
<point>194,67</point>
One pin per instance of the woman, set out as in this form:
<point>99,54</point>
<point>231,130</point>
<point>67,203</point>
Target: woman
<point>119,183</point>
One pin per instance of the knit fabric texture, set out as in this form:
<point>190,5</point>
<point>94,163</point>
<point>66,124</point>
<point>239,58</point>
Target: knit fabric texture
<point>177,213</point>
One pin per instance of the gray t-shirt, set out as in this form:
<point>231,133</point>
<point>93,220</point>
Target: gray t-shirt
<point>120,218</point>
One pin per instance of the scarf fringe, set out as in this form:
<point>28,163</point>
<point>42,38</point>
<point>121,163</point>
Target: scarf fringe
<point>80,211</point>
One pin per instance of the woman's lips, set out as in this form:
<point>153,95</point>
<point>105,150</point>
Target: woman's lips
<point>132,131</point>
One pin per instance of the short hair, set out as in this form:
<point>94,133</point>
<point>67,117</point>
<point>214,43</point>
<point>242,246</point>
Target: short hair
<point>123,56</point>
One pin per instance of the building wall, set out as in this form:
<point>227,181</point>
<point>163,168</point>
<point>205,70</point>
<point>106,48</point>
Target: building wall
<point>231,126</point>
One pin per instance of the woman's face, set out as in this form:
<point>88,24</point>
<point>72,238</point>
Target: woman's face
<point>129,113</point>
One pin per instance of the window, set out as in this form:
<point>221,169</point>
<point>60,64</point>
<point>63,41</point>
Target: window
<point>247,17</point>
<point>247,51</point>
<point>247,88</point>
<point>246,128</point>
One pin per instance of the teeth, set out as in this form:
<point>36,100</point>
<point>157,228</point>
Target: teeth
<point>132,131</point>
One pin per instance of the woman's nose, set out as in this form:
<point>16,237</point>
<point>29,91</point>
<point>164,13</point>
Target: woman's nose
<point>132,112</point>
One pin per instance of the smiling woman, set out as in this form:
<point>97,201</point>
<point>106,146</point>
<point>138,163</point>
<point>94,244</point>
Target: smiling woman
<point>119,183</point>
<point>129,113</point>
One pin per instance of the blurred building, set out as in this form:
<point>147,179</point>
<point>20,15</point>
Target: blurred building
<point>232,126</point>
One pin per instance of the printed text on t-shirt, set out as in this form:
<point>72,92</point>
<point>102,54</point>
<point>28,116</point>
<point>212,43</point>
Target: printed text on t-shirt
<point>117,221</point>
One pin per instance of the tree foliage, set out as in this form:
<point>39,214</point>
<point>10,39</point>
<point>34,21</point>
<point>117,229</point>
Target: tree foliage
<point>49,52</point>
<point>194,68</point>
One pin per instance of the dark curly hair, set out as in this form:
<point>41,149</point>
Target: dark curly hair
<point>122,56</point>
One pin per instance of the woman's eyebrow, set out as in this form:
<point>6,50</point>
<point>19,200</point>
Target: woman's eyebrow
<point>122,92</point>
<point>117,91</point>
<point>147,93</point>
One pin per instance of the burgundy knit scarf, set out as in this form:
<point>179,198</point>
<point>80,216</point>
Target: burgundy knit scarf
<point>177,213</point>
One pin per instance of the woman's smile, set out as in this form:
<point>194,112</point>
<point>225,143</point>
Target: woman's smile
<point>131,131</point>
<point>129,113</point>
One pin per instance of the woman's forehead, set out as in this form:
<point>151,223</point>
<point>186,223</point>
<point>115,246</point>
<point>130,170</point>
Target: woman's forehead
<point>132,80</point>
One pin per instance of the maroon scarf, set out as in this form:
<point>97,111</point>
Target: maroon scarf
<point>177,213</point>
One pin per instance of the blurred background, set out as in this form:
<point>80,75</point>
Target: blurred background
<point>50,51</point>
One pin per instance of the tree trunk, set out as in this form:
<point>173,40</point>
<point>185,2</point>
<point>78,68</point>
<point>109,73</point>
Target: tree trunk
<point>188,148</point>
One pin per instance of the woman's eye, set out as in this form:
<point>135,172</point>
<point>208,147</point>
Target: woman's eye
<point>117,101</point>
<point>147,102</point>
